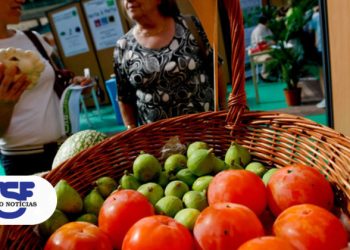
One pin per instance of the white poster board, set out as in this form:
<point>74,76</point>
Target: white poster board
<point>70,32</point>
<point>104,22</point>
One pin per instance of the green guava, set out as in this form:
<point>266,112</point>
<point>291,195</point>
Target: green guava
<point>266,177</point>
<point>88,217</point>
<point>195,199</point>
<point>196,145</point>
<point>257,168</point>
<point>153,191</point>
<point>202,183</point>
<point>169,205</point>
<point>106,185</point>
<point>237,156</point>
<point>187,217</point>
<point>176,188</point>
<point>146,167</point>
<point>201,162</point>
<point>174,163</point>
<point>186,176</point>
<point>129,181</point>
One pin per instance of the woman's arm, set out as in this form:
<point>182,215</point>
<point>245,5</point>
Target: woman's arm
<point>126,93</point>
<point>11,89</point>
<point>128,114</point>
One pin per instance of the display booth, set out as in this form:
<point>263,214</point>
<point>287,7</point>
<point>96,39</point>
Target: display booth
<point>85,35</point>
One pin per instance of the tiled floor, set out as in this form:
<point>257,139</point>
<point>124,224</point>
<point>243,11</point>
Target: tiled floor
<point>272,98</point>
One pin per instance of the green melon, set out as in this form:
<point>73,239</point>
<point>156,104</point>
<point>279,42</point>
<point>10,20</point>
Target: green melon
<point>76,143</point>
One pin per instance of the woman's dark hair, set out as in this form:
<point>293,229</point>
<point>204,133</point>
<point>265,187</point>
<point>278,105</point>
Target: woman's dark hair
<point>169,8</point>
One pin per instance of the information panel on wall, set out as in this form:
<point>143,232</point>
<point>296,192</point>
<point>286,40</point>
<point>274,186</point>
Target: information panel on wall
<point>74,42</point>
<point>104,22</point>
<point>106,25</point>
<point>70,32</point>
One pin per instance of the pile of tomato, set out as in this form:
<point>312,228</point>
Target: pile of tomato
<point>293,211</point>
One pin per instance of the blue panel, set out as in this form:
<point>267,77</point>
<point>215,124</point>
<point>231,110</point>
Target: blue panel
<point>111,86</point>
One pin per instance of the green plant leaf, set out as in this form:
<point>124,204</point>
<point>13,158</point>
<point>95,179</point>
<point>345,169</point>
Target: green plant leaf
<point>289,61</point>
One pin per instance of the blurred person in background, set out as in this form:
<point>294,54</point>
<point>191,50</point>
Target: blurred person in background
<point>260,40</point>
<point>315,28</point>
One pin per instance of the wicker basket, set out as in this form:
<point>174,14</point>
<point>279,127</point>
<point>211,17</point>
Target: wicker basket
<point>274,138</point>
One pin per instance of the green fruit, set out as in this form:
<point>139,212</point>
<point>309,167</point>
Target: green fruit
<point>195,199</point>
<point>202,183</point>
<point>257,168</point>
<point>153,191</point>
<point>201,162</point>
<point>68,199</point>
<point>219,165</point>
<point>266,177</point>
<point>106,185</point>
<point>163,179</point>
<point>172,177</point>
<point>174,163</point>
<point>146,167</point>
<point>56,220</point>
<point>129,181</point>
<point>169,205</point>
<point>237,157</point>
<point>176,188</point>
<point>186,176</point>
<point>187,217</point>
<point>76,143</point>
<point>196,145</point>
<point>93,202</point>
<point>91,218</point>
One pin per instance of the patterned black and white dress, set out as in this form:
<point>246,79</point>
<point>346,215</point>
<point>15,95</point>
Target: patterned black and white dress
<point>164,82</point>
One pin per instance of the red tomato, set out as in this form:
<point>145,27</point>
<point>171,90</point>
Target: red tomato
<point>298,184</point>
<point>120,211</point>
<point>238,186</point>
<point>78,235</point>
<point>267,243</point>
<point>226,226</point>
<point>310,227</point>
<point>158,232</point>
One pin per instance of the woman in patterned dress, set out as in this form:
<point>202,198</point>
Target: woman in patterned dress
<point>159,67</point>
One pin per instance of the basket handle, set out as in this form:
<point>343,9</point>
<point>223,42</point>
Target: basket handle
<point>237,100</point>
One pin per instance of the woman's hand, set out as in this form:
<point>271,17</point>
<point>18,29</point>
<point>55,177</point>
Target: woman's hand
<point>81,80</point>
<point>12,84</point>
